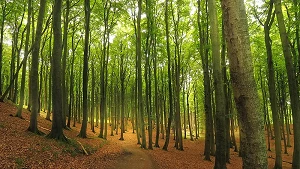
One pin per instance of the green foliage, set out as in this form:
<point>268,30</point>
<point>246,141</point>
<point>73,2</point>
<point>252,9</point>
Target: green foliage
<point>73,148</point>
<point>20,162</point>
<point>46,148</point>
<point>2,125</point>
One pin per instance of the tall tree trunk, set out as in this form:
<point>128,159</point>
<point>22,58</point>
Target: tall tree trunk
<point>22,91</point>
<point>34,69</point>
<point>170,118</point>
<point>4,14</point>
<point>272,88</point>
<point>139,78</point>
<point>188,114</point>
<point>64,63</point>
<point>93,99</point>
<point>57,128</point>
<point>122,80</point>
<point>85,69</point>
<point>220,162</point>
<point>156,107</point>
<point>243,84</point>
<point>184,109</point>
<point>50,80</point>
<point>207,88</point>
<point>293,87</point>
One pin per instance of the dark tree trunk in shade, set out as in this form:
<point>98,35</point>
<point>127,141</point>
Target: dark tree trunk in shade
<point>57,128</point>
<point>170,118</point>
<point>85,69</point>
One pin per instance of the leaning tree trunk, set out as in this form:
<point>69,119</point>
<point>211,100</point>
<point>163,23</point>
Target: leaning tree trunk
<point>243,84</point>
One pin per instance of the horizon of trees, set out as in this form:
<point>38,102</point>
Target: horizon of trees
<point>176,68</point>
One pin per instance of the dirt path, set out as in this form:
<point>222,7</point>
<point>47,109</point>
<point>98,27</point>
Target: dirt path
<point>134,157</point>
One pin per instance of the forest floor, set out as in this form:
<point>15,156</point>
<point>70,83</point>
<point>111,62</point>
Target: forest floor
<point>22,149</point>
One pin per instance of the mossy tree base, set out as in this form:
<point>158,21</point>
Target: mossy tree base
<point>59,137</point>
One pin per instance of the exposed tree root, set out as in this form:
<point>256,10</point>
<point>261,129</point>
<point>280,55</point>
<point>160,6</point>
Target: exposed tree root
<point>83,148</point>
<point>36,131</point>
<point>59,137</point>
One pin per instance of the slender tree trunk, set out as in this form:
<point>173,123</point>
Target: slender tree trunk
<point>272,88</point>
<point>64,63</point>
<point>34,68</point>
<point>50,81</point>
<point>85,69</point>
<point>220,162</point>
<point>122,80</point>
<point>184,110</point>
<point>4,14</point>
<point>93,100</point>
<point>156,108</point>
<point>22,91</point>
<point>293,87</point>
<point>188,115</point>
<point>170,118</point>
<point>207,89</point>
<point>139,78</point>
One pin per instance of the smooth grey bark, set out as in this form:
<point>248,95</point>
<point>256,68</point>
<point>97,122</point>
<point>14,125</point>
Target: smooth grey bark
<point>243,84</point>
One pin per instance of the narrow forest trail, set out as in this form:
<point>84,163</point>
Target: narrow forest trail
<point>133,156</point>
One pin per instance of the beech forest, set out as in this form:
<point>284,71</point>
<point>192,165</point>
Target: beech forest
<point>150,84</point>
